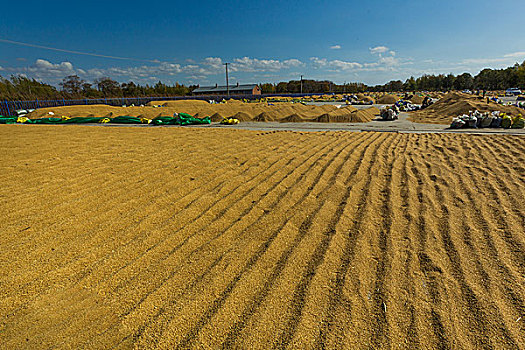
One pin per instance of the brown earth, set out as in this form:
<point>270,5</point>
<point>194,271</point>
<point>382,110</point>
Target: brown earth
<point>119,237</point>
<point>456,103</point>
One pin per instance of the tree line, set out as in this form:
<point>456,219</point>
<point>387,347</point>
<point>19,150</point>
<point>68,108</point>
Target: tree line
<point>73,87</point>
<point>487,79</point>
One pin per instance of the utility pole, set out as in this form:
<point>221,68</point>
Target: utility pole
<point>227,83</point>
<point>301,84</point>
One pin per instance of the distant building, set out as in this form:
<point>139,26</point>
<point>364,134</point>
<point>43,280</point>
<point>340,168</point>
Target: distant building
<point>244,89</point>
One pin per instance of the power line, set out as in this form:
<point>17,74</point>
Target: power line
<point>74,52</point>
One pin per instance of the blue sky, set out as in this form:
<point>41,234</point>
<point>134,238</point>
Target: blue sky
<point>265,41</point>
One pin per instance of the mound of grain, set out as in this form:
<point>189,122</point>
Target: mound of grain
<point>242,116</point>
<point>217,117</point>
<point>326,118</point>
<point>454,104</point>
<point>367,99</point>
<point>293,118</point>
<point>263,117</point>
<point>233,101</point>
<point>365,115</point>
<point>179,103</point>
<point>201,115</point>
<point>356,116</point>
<point>388,100</point>
<point>416,99</point>
<point>242,111</point>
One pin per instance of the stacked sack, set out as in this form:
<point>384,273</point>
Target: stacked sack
<point>390,113</point>
<point>354,100</point>
<point>407,106</point>
<point>496,119</point>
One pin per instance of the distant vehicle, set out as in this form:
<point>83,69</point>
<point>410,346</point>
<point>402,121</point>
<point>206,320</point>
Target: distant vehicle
<point>512,92</point>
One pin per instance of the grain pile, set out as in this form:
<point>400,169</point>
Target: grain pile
<point>456,103</point>
<point>263,117</point>
<point>367,99</point>
<point>388,99</point>
<point>165,238</point>
<point>416,99</point>
<point>235,109</point>
<point>355,116</point>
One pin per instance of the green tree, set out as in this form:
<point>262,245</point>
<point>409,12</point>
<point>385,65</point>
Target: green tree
<point>108,87</point>
<point>72,84</point>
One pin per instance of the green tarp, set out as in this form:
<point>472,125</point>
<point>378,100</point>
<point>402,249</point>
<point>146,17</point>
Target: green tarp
<point>81,120</point>
<point>181,119</point>
<point>54,120</point>
<point>164,120</point>
<point>7,120</point>
<point>186,119</point>
<point>125,120</point>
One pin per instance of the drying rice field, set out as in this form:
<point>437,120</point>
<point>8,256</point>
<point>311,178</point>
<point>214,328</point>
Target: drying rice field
<point>177,238</point>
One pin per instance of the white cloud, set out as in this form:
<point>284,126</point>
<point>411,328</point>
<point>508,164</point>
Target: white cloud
<point>197,77</point>
<point>1,68</point>
<point>334,65</point>
<point>389,61</point>
<point>55,72</point>
<point>213,62</point>
<point>382,64</point>
<point>212,68</point>
<point>378,50</point>
<point>345,65</point>
<point>45,69</point>
<point>138,72</point>
<point>319,62</point>
<point>483,60</point>
<point>515,55</point>
<point>335,47</point>
<point>247,64</point>
<point>507,59</point>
